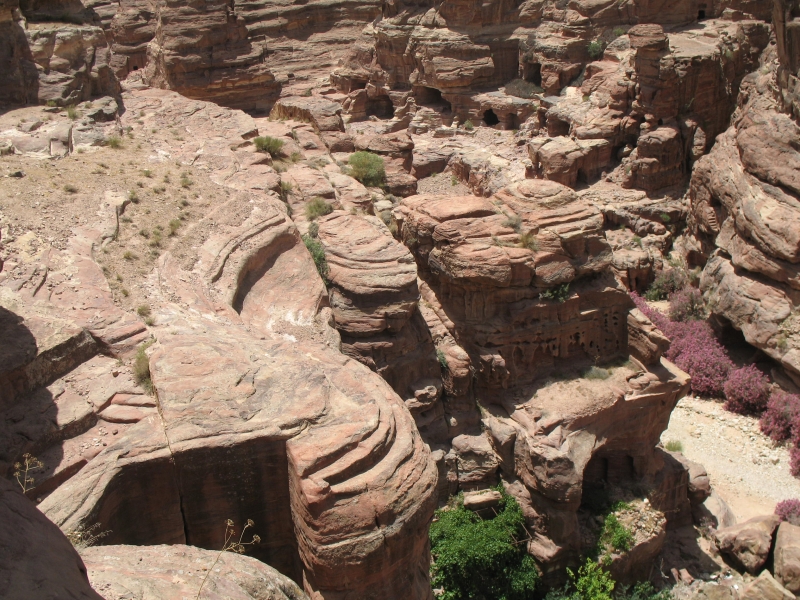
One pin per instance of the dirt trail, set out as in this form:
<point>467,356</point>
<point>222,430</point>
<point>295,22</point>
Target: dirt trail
<point>746,468</point>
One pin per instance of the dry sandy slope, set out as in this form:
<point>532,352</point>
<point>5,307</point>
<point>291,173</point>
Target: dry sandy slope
<point>746,468</point>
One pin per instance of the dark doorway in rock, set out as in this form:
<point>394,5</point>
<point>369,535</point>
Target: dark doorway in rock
<point>533,73</point>
<point>511,122</point>
<point>431,97</point>
<point>490,118</point>
<point>701,14</point>
<point>380,107</point>
<point>135,68</point>
<point>357,85</point>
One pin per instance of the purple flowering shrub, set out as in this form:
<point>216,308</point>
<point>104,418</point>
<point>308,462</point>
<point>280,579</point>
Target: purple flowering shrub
<point>789,510</point>
<point>694,348</point>
<point>687,305</point>
<point>746,390</point>
<point>794,461</point>
<point>782,416</point>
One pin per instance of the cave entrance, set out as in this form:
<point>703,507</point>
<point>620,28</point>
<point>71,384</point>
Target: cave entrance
<point>701,14</point>
<point>511,122</point>
<point>533,74</point>
<point>556,127</point>
<point>380,107</point>
<point>490,118</point>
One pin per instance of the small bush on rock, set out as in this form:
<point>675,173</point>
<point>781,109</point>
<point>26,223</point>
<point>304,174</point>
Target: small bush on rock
<point>523,89</point>
<point>317,208</point>
<point>270,145</point>
<point>367,168</point>
<point>783,410</point>
<point>318,254</point>
<point>794,461</point>
<point>746,390</point>
<point>477,558</point>
<point>686,305</point>
<point>789,510</point>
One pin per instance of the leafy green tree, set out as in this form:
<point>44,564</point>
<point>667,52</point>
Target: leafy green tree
<point>482,559</point>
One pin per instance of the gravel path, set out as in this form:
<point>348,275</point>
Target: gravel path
<point>746,468</point>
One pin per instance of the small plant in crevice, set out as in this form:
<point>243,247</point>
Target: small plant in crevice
<point>141,367</point>
<point>84,537</point>
<point>559,293</point>
<point>313,230</point>
<point>72,112</point>
<point>442,359</point>
<point>528,240</point>
<point>512,221</point>
<point>317,251</point>
<point>231,544</point>
<point>285,189</point>
<point>468,125</point>
<point>23,471</point>
<point>316,208</point>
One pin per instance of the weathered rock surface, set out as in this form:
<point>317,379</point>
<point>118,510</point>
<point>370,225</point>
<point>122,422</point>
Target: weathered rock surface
<point>766,587</point>
<point>37,560</point>
<point>177,572</point>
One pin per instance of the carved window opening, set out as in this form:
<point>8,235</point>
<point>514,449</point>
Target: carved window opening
<point>701,14</point>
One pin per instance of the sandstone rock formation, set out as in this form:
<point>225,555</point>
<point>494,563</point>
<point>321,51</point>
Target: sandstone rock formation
<point>748,544</point>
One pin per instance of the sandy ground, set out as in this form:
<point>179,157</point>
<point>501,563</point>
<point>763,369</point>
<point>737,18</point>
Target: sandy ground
<point>747,469</point>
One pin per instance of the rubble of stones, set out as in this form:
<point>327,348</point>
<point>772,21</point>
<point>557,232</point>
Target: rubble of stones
<point>448,342</point>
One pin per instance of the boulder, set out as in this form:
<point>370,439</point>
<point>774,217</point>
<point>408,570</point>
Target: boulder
<point>765,587</point>
<point>787,557</point>
<point>36,559</point>
<point>748,544</point>
<point>176,572</point>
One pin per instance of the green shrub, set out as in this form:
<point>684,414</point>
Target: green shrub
<point>367,168</point>
<point>313,230</point>
<point>615,534</point>
<point>595,49</point>
<point>593,583</point>
<point>133,196</point>
<point>318,254</point>
<point>637,240</point>
<point>475,558</point>
<point>174,225</point>
<point>468,125</point>
<point>317,208</point>
<point>70,189</point>
<point>560,293</point>
<point>665,218</point>
<point>72,112</point>
<point>270,145</point>
<point>143,310</point>
<point>618,31</point>
<point>523,89</point>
